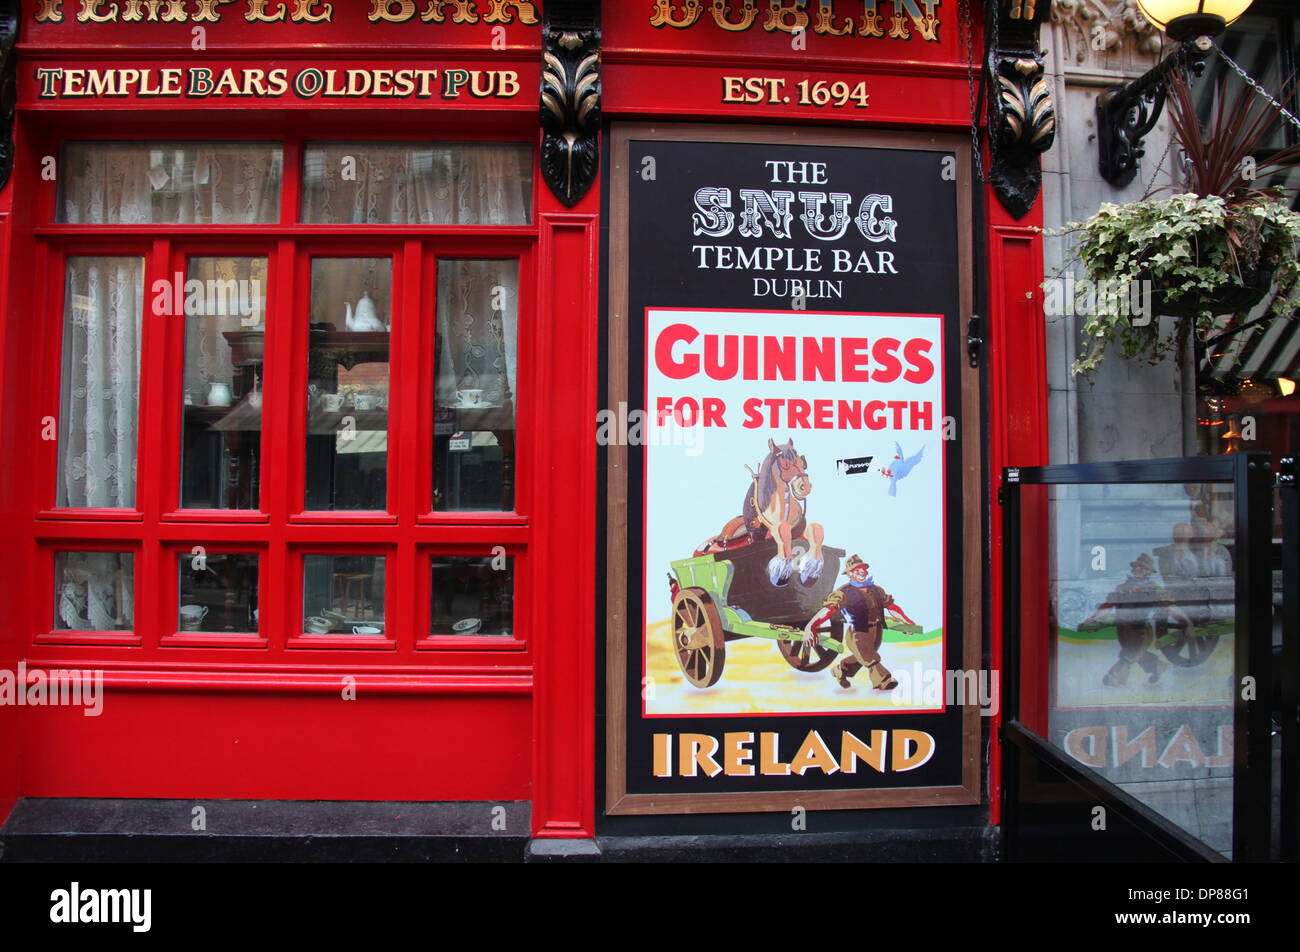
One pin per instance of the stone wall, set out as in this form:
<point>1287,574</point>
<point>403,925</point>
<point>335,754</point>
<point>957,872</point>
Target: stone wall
<point>1127,410</point>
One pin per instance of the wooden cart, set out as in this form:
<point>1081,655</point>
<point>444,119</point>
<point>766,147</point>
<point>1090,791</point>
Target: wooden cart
<point>723,596</point>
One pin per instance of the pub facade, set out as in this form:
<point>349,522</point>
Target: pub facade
<point>589,415</point>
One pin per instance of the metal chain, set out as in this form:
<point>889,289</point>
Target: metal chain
<point>1286,114</point>
<point>1159,165</point>
<point>994,92</point>
<point>966,27</point>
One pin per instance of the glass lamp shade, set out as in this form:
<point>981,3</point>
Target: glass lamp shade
<point>1184,19</point>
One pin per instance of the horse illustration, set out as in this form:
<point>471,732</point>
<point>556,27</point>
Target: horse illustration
<point>774,506</point>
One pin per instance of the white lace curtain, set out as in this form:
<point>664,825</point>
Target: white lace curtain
<point>96,591</point>
<point>417,185</point>
<point>100,382</point>
<point>477,330</point>
<point>109,183</point>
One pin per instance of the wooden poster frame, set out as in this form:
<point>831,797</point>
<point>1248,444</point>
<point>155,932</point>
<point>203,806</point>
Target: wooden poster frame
<point>617,800</point>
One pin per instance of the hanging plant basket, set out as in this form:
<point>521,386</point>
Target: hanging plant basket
<point>1241,293</point>
<point>1199,257</point>
<point>1216,249</point>
<point>1230,299</point>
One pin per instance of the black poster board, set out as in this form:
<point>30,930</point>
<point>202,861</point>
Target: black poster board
<point>790,433</point>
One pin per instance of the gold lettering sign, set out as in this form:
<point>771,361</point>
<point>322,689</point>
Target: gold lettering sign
<point>287,11</point>
<point>831,18</point>
<point>203,82</point>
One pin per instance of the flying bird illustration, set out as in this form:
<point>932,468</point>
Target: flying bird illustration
<point>900,467</point>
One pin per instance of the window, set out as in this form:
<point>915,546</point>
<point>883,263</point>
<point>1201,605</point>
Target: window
<point>291,388</point>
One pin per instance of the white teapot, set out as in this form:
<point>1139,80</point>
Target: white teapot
<point>366,319</point>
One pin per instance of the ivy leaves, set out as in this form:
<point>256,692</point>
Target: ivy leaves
<point>1189,248</point>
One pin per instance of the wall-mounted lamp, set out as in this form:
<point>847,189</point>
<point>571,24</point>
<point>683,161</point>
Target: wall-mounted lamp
<point>1125,115</point>
<point>1185,19</point>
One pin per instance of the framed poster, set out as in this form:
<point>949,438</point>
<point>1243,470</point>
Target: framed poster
<point>794,472</point>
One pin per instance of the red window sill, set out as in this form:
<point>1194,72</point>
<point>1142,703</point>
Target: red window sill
<point>336,642</point>
<point>350,518</point>
<point>471,518</point>
<point>216,515</point>
<point>470,643</point>
<point>117,638</point>
<point>105,515</point>
<point>212,639</point>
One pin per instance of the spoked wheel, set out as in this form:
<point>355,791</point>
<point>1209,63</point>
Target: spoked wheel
<point>698,640</point>
<point>1189,651</point>
<point>802,656</point>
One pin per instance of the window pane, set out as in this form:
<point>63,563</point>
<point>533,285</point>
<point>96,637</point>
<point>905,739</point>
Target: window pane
<point>1142,660</point>
<point>100,390</point>
<point>472,596</point>
<point>354,183</point>
<point>217,592</point>
<point>347,393</point>
<point>225,327</point>
<point>112,183</point>
<point>343,594</point>
<point>476,345</point>
<point>94,591</point>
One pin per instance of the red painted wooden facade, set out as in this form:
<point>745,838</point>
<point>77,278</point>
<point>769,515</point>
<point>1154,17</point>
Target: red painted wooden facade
<point>449,721</point>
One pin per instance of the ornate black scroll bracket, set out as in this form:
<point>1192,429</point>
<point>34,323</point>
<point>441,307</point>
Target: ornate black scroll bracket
<point>1125,116</point>
<point>570,97</point>
<point>8,85</point>
<point>1022,116</point>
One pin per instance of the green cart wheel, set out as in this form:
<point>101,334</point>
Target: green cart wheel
<point>698,639</point>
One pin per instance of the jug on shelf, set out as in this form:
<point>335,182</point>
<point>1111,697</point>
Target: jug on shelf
<point>219,394</point>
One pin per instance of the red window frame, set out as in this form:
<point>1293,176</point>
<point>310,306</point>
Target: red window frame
<point>409,534</point>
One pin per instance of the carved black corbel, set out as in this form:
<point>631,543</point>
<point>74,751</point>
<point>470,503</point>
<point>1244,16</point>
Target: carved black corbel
<point>1022,117</point>
<point>570,94</point>
<point>8,85</point>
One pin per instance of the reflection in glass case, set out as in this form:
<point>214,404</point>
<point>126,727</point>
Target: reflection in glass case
<point>343,594</point>
<point>1143,597</point>
<point>218,592</point>
<point>472,596</point>
<point>348,384</point>
<point>225,332</point>
<point>476,348</point>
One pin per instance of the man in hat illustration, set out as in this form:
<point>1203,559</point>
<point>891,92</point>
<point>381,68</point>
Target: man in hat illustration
<point>1135,607</point>
<point>863,605</point>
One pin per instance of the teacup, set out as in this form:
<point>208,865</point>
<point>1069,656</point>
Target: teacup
<point>365,401</point>
<point>192,616</point>
<point>318,626</point>
<point>469,398</point>
<point>333,402</point>
<point>366,630</point>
